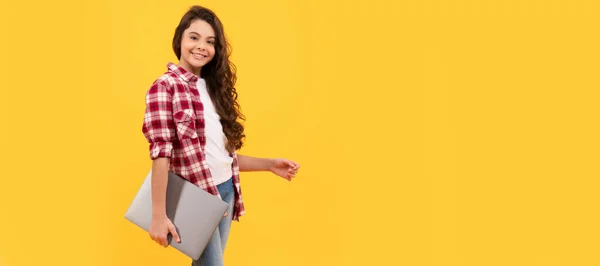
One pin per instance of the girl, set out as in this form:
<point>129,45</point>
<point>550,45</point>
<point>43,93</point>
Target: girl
<point>191,123</point>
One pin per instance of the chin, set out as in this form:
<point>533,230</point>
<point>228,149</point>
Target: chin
<point>198,65</point>
<point>195,64</point>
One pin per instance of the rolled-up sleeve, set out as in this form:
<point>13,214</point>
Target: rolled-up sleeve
<point>158,126</point>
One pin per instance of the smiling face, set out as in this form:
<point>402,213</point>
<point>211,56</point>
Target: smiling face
<point>197,46</point>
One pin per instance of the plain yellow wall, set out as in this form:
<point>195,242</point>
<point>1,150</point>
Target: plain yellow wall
<point>429,132</point>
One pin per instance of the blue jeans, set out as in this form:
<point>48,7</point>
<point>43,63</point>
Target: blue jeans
<point>213,253</point>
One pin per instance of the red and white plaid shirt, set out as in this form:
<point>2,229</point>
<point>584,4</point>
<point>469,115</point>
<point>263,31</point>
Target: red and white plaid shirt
<point>174,127</point>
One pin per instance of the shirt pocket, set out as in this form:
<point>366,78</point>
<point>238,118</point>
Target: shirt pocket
<point>185,122</point>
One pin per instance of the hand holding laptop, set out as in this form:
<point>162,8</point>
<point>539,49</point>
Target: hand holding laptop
<point>160,227</point>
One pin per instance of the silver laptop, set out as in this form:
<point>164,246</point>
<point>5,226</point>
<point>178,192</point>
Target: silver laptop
<point>194,212</point>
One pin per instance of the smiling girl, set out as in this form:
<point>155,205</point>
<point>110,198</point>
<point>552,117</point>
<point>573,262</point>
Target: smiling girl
<point>192,125</point>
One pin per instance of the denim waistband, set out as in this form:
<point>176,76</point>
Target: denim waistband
<point>226,186</point>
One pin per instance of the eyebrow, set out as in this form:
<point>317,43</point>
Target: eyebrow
<point>193,32</point>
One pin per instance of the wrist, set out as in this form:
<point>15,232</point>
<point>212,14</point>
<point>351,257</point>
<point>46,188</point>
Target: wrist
<point>158,214</point>
<point>271,164</point>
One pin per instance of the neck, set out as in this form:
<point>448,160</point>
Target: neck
<point>190,69</point>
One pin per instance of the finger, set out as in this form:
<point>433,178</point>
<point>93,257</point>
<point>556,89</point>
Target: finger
<point>174,233</point>
<point>156,239</point>
<point>225,215</point>
<point>160,241</point>
<point>165,242</point>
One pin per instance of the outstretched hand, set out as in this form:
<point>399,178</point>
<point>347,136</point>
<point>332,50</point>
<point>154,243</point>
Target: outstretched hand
<point>284,168</point>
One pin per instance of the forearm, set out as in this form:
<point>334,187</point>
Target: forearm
<point>160,169</point>
<point>250,164</point>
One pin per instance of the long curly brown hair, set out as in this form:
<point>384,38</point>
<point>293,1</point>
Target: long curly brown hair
<point>219,73</point>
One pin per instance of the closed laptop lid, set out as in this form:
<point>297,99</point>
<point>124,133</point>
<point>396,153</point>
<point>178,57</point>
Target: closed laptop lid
<point>194,212</point>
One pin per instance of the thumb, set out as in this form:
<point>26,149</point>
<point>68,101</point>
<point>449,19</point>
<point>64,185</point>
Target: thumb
<point>173,232</point>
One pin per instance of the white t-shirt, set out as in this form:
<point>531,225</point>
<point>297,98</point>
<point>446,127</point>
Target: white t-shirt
<point>217,156</point>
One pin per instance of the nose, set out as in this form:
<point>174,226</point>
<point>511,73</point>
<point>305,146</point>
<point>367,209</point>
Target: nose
<point>201,46</point>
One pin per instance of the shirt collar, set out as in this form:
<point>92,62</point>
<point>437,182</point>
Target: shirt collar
<point>182,73</point>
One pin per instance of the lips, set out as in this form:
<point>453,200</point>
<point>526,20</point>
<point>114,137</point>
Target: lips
<point>199,56</point>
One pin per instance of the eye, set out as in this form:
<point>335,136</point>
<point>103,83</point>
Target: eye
<point>194,38</point>
<point>212,42</point>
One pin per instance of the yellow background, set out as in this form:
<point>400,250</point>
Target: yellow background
<point>429,132</point>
